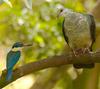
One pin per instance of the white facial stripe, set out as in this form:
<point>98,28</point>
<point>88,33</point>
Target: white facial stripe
<point>16,49</point>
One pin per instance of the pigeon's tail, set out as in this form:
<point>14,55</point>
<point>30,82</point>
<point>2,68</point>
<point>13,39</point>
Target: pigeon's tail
<point>9,74</point>
<point>78,66</point>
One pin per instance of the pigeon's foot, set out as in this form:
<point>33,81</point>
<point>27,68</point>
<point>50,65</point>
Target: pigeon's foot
<point>80,52</point>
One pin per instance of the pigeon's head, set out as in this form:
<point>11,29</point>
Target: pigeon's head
<point>63,12</point>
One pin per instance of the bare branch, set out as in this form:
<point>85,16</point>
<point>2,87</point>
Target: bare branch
<point>54,61</point>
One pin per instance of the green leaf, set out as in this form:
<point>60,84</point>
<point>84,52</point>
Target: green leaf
<point>8,2</point>
<point>28,3</point>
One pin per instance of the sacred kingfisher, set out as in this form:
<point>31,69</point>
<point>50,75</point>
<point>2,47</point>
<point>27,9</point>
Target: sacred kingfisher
<point>13,57</point>
<point>79,33</point>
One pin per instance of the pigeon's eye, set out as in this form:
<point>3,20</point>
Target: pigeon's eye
<point>61,10</point>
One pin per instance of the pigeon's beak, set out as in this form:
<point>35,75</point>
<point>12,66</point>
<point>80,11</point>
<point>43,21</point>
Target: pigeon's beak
<point>26,45</point>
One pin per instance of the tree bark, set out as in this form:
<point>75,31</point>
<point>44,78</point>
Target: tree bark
<point>54,61</point>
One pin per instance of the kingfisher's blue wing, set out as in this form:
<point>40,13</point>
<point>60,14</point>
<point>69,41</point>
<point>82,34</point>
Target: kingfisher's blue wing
<point>12,59</point>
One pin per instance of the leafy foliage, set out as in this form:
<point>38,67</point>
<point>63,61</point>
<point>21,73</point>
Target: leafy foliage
<point>35,21</point>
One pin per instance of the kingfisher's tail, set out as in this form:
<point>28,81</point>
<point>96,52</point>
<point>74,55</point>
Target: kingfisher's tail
<point>9,74</point>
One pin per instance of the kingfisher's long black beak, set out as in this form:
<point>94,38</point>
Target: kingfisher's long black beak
<point>26,45</point>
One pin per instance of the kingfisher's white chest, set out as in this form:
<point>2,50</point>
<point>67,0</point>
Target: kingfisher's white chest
<point>77,30</point>
<point>16,49</point>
